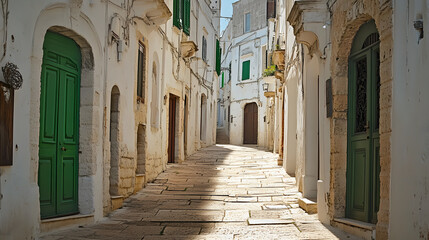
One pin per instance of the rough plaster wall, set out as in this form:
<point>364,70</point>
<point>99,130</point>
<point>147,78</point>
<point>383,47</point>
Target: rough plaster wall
<point>347,18</point>
<point>409,209</point>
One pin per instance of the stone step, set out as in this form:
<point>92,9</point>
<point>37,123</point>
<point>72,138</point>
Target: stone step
<point>307,205</point>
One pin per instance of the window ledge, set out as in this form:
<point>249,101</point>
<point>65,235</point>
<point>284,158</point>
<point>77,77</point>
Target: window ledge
<point>243,82</point>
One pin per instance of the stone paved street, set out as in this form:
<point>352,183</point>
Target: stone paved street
<point>221,192</point>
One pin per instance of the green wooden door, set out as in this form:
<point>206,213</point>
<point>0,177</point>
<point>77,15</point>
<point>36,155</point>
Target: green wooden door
<point>59,126</point>
<point>363,140</point>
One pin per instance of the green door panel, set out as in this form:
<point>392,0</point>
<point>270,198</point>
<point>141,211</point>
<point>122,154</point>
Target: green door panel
<point>357,181</point>
<point>59,126</point>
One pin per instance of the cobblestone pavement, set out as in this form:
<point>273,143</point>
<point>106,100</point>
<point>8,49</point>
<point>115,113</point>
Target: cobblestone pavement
<point>221,192</point>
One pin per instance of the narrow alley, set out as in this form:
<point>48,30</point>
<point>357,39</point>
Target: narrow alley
<point>221,192</point>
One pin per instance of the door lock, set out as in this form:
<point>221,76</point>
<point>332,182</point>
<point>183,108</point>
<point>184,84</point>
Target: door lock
<point>63,149</point>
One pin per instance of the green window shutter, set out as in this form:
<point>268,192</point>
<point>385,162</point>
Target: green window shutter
<point>223,79</point>
<point>186,13</point>
<point>245,74</point>
<point>177,15</point>
<point>217,57</point>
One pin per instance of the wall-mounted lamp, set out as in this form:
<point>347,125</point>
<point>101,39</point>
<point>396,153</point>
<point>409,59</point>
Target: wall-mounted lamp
<point>327,23</point>
<point>418,25</point>
<point>265,87</point>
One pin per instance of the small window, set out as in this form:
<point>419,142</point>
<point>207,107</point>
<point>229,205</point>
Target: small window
<point>245,74</point>
<point>141,72</point>
<point>247,22</point>
<point>204,49</point>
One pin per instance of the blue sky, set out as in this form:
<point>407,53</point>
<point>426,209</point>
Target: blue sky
<point>226,11</point>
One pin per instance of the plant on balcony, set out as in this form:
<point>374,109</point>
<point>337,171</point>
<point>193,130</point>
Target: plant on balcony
<point>269,71</point>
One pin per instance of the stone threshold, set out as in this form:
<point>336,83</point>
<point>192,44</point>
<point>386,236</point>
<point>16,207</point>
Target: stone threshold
<point>356,223</point>
<point>358,228</point>
<point>48,225</point>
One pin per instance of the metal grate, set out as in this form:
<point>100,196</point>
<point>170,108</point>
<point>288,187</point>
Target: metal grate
<point>371,39</point>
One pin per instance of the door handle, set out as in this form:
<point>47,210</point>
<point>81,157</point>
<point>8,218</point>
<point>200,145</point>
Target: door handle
<point>63,149</point>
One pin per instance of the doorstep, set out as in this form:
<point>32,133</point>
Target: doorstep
<point>48,225</point>
<point>358,228</point>
<point>117,202</point>
<point>309,206</point>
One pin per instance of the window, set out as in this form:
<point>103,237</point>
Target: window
<point>141,72</point>
<point>245,74</point>
<point>229,71</point>
<point>204,50</point>
<point>182,14</point>
<point>218,53</point>
<point>247,22</point>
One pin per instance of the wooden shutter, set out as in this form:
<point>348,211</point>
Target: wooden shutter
<point>271,9</point>
<point>177,13</point>
<point>223,79</point>
<point>245,74</point>
<point>186,10</point>
<point>141,72</point>
<point>217,57</point>
<point>204,50</point>
<point>6,125</point>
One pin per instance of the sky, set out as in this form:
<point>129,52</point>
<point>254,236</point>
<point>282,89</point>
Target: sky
<point>226,11</point>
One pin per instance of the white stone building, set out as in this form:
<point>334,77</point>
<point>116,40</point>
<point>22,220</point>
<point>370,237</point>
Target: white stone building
<point>224,102</point>
<point>110,91</point>
<point>246,51</point>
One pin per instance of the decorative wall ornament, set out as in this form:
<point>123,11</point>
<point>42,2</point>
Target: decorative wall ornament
<point>12,76</point>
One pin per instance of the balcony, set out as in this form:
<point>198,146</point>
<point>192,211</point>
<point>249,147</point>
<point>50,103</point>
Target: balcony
<point>188,49</point>
<point>154,12</point>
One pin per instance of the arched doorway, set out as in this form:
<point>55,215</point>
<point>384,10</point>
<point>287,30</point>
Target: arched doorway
<point>363,139</point>
<point>251,124</point>
<point>59,126</point>
<point>114,142</point>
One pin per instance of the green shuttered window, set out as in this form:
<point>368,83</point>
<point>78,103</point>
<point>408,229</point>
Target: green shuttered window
<point>182,15</point>
<point>245,74</point>
<point>218,53</point>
